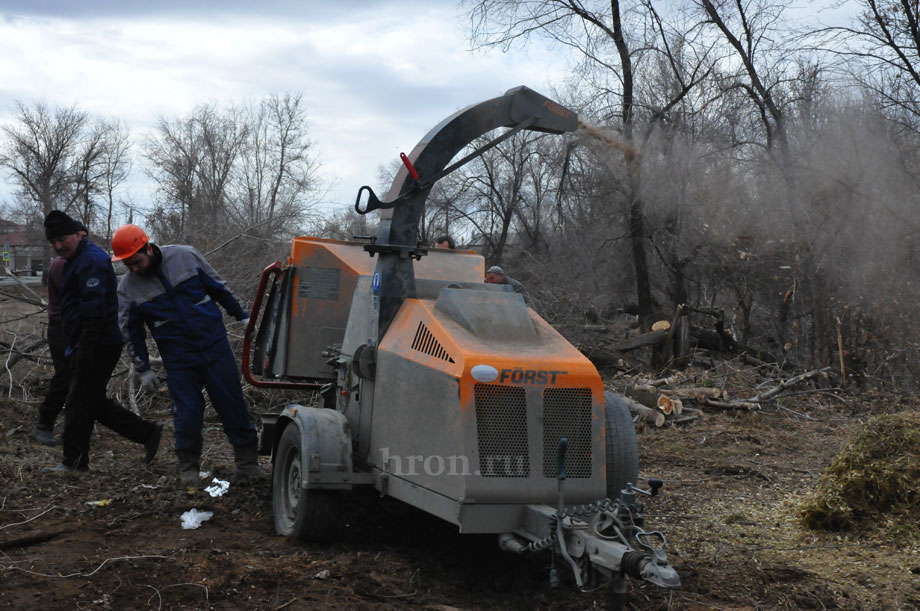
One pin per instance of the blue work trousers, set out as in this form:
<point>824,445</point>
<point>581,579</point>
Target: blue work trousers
<point>221,379</point>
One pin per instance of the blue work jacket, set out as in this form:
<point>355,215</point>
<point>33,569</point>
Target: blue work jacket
<point>178,305</point>
<point>88,294</point>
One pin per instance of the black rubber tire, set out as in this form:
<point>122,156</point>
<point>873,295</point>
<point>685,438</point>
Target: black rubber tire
<point>622,446</point>
<point>305,515</point>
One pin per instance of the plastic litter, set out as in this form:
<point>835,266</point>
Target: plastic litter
<point>101,503</point>
<point>193,518</point>
<point>324,574</point>
<point>218,487</point>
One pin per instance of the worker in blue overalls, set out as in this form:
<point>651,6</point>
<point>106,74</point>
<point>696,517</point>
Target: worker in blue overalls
<point>173,292</point>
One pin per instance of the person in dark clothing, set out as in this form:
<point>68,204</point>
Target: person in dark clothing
<point>173,291</point>
<point>60,382</point>
<point>496,275</point>
<point>445,242</point>
<point>89,321</point>
<point>53,402</point>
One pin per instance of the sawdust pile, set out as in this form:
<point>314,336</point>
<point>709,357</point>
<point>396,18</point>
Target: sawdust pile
<point>874,481</point>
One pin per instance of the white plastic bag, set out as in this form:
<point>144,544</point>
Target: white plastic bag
<point>193,518</point>
<point>218,487</point>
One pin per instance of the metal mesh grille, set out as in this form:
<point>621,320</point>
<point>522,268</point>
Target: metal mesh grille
<point>567,413</point>
<point>501,429</point>
<point>425,342</point>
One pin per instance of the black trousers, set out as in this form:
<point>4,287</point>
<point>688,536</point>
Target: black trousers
<point>60,382</point>
<point>87,404</point>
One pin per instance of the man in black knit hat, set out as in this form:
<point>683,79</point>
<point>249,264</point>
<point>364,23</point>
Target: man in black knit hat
<point>89,319</point>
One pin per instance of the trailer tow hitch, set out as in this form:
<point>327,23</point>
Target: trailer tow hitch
<point>604,539</point>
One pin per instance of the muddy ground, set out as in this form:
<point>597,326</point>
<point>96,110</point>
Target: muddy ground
<point>112,538</point>
<point>732,483</point>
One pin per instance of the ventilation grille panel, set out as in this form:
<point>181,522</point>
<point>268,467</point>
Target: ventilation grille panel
<point>501,431</point>
<point>427,343</point>
<point>567,413</point>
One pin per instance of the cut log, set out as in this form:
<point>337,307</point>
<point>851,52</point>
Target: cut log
<point>664,404</point>
<point>659,382</point>
<point>647,414</point>
<point>639,341</point>
<point>646,395</point>
<point>677,406</point>
<point>698,394</point>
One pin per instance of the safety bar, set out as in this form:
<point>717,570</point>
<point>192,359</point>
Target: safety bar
<point>275,270</point>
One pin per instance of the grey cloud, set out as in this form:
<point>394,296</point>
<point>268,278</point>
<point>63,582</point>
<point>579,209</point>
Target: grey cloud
<point>127,8</point>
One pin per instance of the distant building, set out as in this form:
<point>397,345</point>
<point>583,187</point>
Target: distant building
<point>22,249</point>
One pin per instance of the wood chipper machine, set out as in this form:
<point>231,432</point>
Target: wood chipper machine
<point>443,391</point>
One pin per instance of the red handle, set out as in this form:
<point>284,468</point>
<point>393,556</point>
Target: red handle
<point>409,166</point>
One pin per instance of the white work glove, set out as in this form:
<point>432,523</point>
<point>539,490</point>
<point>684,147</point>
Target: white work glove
<point>149,381</point>
<point>245,322</point>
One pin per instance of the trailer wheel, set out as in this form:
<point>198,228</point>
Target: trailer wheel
<point>622,447</point>
<point>306,515</point>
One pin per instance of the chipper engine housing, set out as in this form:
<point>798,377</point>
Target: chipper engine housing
<point>442,391</point>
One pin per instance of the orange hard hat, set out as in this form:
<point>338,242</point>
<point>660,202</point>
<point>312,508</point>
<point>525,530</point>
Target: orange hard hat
<point>127,240</point>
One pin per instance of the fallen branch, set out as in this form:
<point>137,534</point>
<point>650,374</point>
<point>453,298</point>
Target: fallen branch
<point>698,394</point>
<point>34,302</point>
<point>90,574</point>
<point>770,394</point>
<point>242,234</point>
<point>29,520</point>
<point>653,338</point>
<point>30,540</point>
<point>27,289</point>
<point>25,353</point>
<point>731,404</point>
<point>776,392</point>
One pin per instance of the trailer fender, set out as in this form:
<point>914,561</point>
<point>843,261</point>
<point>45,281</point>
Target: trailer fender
<point>325,444</point>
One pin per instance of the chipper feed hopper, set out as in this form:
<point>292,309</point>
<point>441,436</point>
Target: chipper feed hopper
<point>442,391</point>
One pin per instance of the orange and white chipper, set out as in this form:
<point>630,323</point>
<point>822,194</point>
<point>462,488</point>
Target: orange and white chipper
<point>443,391</point>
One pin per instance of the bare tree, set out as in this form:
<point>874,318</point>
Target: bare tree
<point>44,154</point>
<point>192,160</point>
<point>882,50</point>
<point>62,158</point>
<point>238,169</point>
<point>116,165</point>
<point>494,193</point>
<point>614,40</point>
<point>278,180</point>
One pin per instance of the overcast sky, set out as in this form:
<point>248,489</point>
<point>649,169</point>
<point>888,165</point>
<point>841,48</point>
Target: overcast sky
<point>376,75</point>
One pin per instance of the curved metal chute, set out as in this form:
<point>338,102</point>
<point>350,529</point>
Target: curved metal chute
<point>397,239</point>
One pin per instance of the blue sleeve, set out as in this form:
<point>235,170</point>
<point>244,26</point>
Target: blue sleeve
<point>217,288</point>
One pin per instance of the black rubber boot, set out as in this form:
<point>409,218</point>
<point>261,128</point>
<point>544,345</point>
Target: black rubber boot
<point>189,468</point>
<point>247,464</point>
